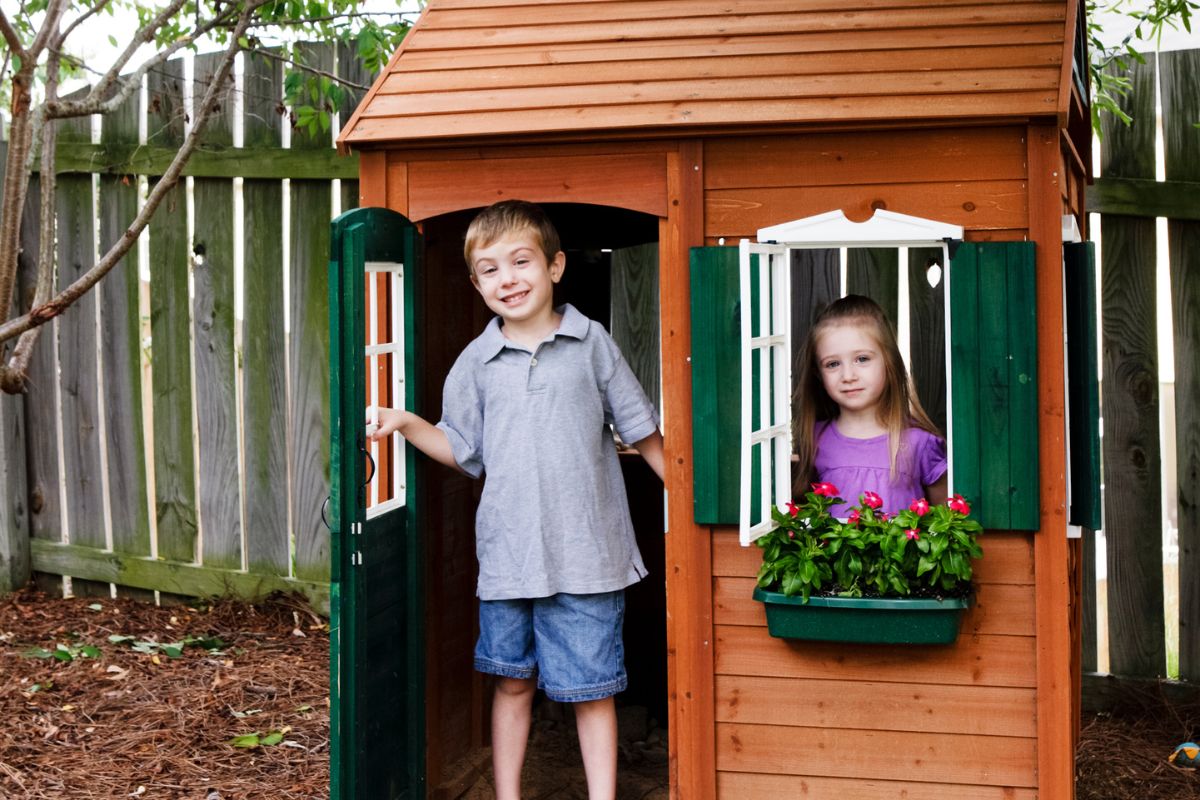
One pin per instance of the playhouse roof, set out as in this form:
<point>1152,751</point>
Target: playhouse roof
<point>508,69</point>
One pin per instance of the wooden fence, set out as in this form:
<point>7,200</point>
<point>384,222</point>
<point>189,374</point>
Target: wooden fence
<point>166,442</point>
<point>1129,198</point>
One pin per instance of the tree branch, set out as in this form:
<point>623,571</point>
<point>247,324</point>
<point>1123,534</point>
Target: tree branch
<point>49,28</point>
<point>81,18</point>
<point>11,36</point>
<point>306,68</point>
<point>41,314</point>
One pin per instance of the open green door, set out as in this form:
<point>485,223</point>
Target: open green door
<point>377,710</point>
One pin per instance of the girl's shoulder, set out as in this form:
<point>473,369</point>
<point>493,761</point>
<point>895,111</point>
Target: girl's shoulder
<point>920,438</point>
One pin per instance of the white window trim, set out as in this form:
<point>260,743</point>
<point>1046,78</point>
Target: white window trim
<point>392,351</point>
<point>823,231</point>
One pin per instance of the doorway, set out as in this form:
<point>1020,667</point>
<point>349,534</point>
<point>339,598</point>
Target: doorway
<point>611,277</point>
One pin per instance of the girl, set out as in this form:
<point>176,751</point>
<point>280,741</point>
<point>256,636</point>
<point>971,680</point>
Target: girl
<point>860,425</point>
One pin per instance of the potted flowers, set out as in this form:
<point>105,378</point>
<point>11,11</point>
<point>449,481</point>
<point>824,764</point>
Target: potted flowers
<point>904,578</point>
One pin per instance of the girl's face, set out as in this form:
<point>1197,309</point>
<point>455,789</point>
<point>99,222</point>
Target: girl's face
<point>851,366</point>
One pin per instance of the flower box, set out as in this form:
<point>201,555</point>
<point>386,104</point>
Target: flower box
<point>865,620</point>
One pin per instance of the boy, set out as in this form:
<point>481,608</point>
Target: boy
<point>528,403</point>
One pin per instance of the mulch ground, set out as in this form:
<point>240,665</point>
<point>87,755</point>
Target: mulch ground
<point>155,715</point>
<point>118,698</point>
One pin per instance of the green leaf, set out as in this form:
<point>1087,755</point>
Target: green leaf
<point>272,738</point>
<point>248,740</point>
<point>173,650</point>
<point>90,651</point>
<point>37,652</point>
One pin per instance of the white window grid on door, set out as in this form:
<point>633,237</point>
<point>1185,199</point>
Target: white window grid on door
<point>770,342</point>
<point>766,341</point>
<point>380,356</point>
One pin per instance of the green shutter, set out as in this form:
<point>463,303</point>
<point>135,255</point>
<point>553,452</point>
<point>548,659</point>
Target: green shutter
<point>1083,385</point>
<point>993,343</point>
<point>716,384</point>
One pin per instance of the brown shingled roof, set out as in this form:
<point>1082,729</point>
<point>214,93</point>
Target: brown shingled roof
<point>476,69</point>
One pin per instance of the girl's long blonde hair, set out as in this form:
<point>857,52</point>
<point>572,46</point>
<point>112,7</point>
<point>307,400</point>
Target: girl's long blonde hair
<point>898,409</point>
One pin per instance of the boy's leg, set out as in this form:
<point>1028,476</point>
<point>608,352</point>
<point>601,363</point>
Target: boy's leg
<point>596,721</point>
<point>512,709</point>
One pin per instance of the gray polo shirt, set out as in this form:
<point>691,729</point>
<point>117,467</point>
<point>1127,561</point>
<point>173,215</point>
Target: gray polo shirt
<point>553,516</point>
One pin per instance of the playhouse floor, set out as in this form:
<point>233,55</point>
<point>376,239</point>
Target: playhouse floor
<point>128,720</point>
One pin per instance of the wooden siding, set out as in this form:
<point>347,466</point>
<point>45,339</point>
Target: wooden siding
<point>902,721</point>
<point>974,177</point>
<point>473,69</point>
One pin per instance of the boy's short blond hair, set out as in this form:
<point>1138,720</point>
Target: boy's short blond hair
<point>506,217</point>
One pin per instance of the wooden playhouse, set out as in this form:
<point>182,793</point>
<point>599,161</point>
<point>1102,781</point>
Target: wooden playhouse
<point>658,134</point>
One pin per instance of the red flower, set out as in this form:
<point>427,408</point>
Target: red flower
<point>793,509</point>
<point>855,516</point>
<point>882,516</point>
<point>920,507</point>
<point>872,500</point>
<point>957,503</point>
<point>825,490</point>
<point>912,534</point>
<point>791,534</point>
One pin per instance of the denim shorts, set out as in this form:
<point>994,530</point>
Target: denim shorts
<point>572,642</point>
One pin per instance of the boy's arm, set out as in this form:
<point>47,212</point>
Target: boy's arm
<point>427,438</point>
<point>651,449</point>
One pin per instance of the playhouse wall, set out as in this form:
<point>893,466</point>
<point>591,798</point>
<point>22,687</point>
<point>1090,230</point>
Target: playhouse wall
<point>752,715</point>
<point>853,721</point>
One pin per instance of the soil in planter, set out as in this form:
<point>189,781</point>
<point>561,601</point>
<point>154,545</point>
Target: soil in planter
<point>918,593</point>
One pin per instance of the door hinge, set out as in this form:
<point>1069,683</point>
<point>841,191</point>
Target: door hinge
<point>356,558</point>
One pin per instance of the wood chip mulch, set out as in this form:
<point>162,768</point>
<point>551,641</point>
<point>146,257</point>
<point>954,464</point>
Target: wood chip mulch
<point>1124,754</point>
<point>125,719</point>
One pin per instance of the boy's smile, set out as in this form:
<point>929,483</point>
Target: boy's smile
<point>517,284</point>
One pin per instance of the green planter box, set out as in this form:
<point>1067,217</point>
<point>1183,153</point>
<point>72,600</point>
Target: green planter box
<point>864,620</point>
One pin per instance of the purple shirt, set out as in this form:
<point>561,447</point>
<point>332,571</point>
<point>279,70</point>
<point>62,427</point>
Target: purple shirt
<point>855,466</point>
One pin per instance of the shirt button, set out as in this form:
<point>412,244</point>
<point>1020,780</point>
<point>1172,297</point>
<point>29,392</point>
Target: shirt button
<point>533,362</point>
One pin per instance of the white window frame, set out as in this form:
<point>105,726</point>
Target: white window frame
<point>377,355</point>
<point>772,347</point>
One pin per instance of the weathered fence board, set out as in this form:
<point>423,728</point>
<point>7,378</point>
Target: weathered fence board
<point>1181,107</point>
<point>311,201</point>
<point>174,463</point>
<point>78,368</point>
<point>1132,510</point>
<point>927,332</point>
<point>14,498</point>
<point>121,343</point>
<point>213,312</point>
<point>875,272</point>
<point>635,312</point>
<point>41,401</point>
<point>264,369</point>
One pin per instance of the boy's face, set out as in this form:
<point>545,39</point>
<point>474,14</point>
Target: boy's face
<point>515,280</point>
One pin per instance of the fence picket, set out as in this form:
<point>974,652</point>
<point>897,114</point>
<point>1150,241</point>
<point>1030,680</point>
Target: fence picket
<point>121,343</point>
<point>1181,108</point>
<point>874,272</point>
<point>1130,400</point>
<point>41,405</point>
<point>174,463</point>
<point>264,377</point>
<point>14,497</point>
<point>213,311</point>
<point>927,333</point>
<point>78,363</point>
<point>311,204</point>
